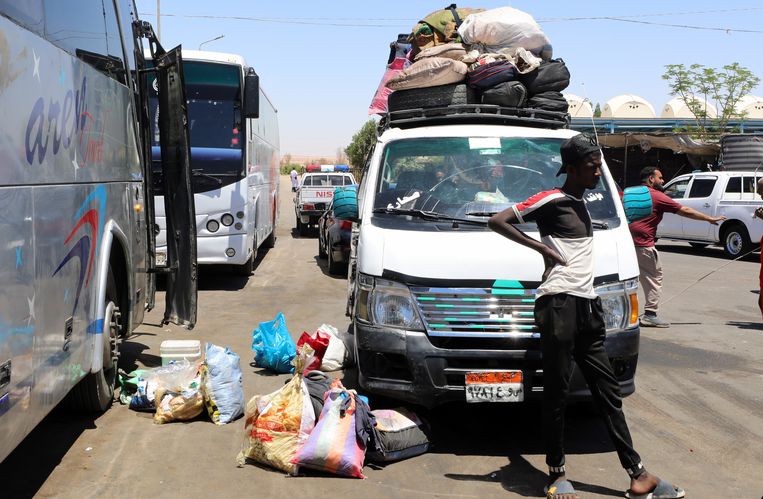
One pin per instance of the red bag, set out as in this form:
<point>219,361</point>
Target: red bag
<point>319,342</point>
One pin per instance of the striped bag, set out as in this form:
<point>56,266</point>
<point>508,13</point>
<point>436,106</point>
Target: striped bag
<point>333,446</point>
<point>637,202</point>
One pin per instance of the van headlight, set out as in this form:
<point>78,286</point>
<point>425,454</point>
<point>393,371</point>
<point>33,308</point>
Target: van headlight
<point>620,304</point>
<point>386,303</point>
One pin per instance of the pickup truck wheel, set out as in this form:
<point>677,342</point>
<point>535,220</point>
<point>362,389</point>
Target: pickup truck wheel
<point>736,241</point>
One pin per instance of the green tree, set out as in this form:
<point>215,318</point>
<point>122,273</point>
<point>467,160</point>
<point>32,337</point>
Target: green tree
<point>696,84</point>
<point>362,143</point>
<point>597,111</point>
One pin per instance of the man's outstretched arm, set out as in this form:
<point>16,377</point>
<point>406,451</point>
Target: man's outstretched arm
<point>688,212</point>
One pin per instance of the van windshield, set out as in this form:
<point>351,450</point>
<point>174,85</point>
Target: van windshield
<point>475,177</point>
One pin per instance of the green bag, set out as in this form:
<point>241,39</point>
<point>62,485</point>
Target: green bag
<point>441,26</point>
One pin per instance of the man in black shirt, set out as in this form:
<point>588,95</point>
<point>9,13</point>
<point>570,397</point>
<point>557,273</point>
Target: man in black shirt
<point>570,317</point>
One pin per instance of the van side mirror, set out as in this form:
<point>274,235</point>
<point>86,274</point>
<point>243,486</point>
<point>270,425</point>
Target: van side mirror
<point>346,203</point>
<point>252,94</point>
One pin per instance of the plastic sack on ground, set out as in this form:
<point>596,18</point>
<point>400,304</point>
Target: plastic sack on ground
<point>128,384</point>
<point>334,446</point>
<point>179,405</point>
<point>222,383</point>
<point>398,61</point>
<point>319,342</point>
<point>279,423</point>
<point>175,376</point>
<point>336,356</point>
<point>273,346</point>
<point>399,434</point>
<point>505,27</point>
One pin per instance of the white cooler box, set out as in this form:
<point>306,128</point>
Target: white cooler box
<point>180,349</point>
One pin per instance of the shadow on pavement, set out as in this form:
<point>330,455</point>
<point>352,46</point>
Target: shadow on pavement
<point>27,468</point>
<point>322,264</point>
<point>753,326</point>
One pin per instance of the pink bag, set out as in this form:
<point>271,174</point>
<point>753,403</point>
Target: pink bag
<point>398,61</point>
<point>333,445</point>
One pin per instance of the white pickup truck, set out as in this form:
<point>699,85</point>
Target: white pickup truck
<point>314,194</point>
<point>729,194</point>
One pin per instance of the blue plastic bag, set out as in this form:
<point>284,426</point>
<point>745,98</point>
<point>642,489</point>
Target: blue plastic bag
<point>222,380</point>
<point>273,346</point>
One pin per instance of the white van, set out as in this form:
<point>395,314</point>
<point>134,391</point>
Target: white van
<point>441,305</point>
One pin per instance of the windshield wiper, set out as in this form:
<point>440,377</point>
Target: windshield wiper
<point>200,173</point>
<point>428,215</point>
<point>598,224</point>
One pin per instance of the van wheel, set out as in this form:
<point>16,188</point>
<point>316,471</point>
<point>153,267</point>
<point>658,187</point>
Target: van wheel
<point>736,241</point>
<point>270,241</point>
<point>96,390</point>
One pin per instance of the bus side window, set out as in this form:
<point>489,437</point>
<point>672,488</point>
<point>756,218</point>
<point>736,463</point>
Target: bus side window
<point>27,13</point>
<point>78,26</point>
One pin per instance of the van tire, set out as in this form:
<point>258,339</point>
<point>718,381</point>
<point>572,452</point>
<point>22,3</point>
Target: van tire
<point>438,96</point>
<point>736,240</point>
<point>95,392</point>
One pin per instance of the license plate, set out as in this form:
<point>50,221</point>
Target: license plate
<point>494,386</point>
<point>161,259</point>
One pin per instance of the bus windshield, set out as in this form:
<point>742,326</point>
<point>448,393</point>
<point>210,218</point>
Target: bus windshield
<point>213,93</point>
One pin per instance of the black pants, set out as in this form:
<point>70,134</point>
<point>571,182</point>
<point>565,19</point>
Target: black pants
<point>572,327</point>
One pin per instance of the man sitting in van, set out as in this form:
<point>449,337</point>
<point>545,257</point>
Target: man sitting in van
<point>570,317</point>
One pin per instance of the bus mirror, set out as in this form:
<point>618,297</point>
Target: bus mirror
<point>252,94</point>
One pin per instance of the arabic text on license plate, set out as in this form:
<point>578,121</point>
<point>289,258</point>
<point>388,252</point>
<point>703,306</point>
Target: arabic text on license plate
<point>503,386</point>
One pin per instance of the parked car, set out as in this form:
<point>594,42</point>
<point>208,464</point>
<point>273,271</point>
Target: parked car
<point>731,194</point>
<point>314,195</point>
<point>334,240</point>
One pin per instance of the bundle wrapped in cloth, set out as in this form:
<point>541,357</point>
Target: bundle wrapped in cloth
<point>278,424</point>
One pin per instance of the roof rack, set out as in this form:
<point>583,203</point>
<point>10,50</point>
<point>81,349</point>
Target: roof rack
<point>473,114</point>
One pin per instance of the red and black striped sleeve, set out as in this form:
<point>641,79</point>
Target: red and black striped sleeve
<point>527,210</point>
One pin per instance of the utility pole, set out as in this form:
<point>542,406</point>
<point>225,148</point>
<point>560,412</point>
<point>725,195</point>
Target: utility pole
<point>158,22</point>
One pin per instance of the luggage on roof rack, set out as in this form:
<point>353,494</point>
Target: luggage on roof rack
<point>474,114</point>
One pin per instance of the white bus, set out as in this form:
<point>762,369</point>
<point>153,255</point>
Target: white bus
<point>234,160</point>
<point>77,230</point>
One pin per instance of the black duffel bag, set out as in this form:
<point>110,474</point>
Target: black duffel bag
<point>550,76</point>
<point>549,101</point>
<point>482,76</point>
<point>507,94</point>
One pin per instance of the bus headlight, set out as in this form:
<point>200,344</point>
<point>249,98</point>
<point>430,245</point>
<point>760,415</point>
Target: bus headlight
<point>227,219</point>
<point>213,226</point>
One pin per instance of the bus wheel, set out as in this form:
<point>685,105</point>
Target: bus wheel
<point>96,391</point>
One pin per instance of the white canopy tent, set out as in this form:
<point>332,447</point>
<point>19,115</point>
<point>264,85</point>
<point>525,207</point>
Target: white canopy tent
<point>579,107</point>
<point>628,106</point>
<point>752,106</point>
<point>677,108</point>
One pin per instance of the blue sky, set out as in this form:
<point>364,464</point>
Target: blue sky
<point>320,62</point>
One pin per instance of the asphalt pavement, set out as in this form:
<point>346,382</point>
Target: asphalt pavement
<point>696,417</point>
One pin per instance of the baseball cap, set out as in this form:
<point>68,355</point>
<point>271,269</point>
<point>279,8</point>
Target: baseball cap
<point>575,148</point>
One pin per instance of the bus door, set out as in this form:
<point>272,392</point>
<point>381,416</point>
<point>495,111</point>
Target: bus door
<point>181,266</point>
